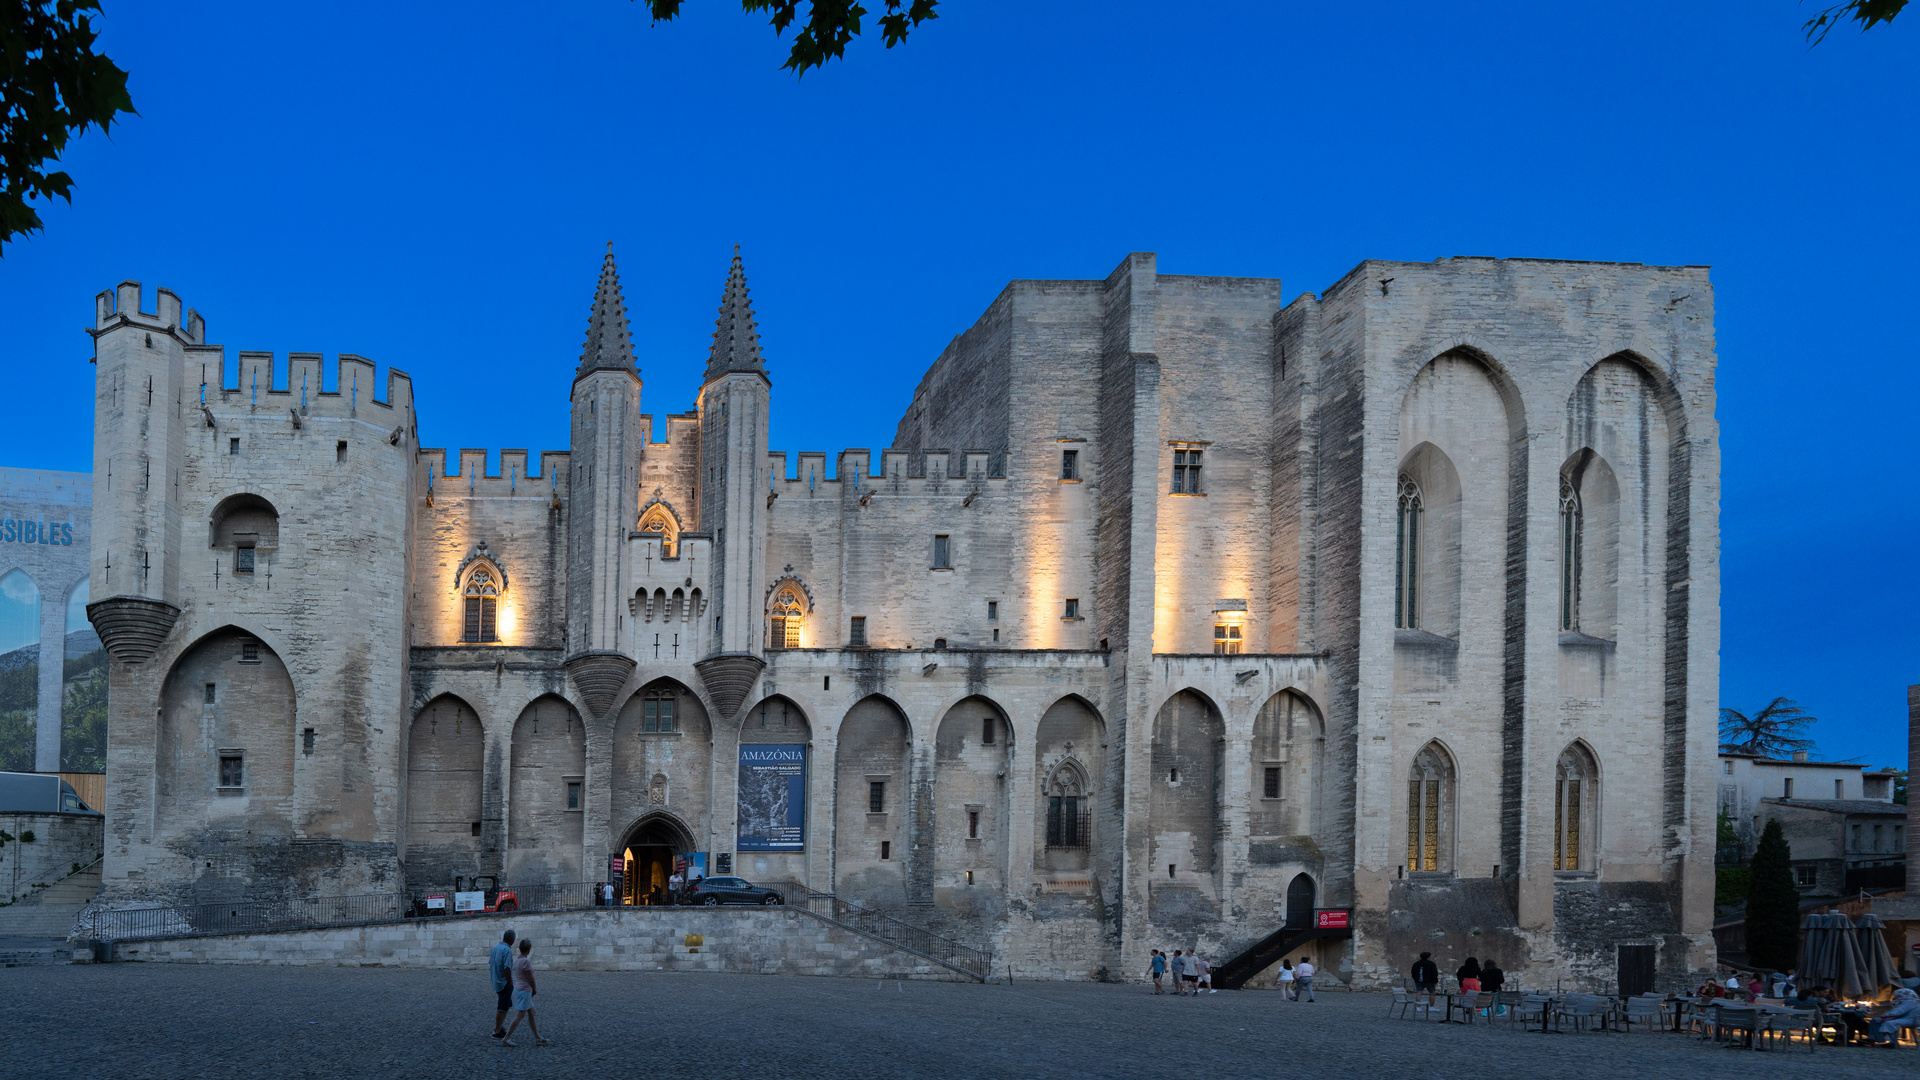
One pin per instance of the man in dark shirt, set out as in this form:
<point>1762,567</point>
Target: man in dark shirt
<point>1426,976</point>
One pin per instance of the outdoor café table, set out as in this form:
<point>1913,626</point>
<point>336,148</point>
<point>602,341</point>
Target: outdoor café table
<point>1547,1008</point>
<point>1452,996</point>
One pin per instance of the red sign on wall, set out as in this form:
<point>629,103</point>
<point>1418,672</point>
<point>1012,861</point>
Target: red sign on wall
<point>1333,920</point>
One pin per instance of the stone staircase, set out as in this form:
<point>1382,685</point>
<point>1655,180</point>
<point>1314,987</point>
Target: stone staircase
<point>48,914</point>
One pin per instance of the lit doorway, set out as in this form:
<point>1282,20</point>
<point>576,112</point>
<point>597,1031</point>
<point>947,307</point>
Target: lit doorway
<point>648,853</point>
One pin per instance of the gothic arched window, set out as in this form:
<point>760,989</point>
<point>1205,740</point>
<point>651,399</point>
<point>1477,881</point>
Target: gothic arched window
<point>482,602</point>
<point>785,617</point>
<point>1570,542</point>
<point>1430,811</point>
<point>1575,794</point>
<point>658,523</point>
<point>1406,565</point>
<point>1069,821</point>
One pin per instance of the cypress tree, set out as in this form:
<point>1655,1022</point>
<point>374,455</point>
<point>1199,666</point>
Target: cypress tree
<point>1773,904</point>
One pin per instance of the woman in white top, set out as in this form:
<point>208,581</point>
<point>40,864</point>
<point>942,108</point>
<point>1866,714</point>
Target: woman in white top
<point>1286,980</point>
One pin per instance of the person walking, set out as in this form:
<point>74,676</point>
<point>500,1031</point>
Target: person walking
<point>1426,976</point>
<point>499,965</point>
<point>523,991</point>
<point>1206,976</point>
<point>1286,980</point>
<point>1303,979</point>
<point>1157,967</point>
<point>673,888</point>
<point>1179,971</point>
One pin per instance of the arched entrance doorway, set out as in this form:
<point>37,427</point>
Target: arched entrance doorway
<point>648,850</point>
<point>1300,897</point>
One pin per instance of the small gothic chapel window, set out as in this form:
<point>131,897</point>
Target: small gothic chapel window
<point>1429,802</point>
<point>1186,471</point>
<point>1406,566</point>
<point>658,524</point>
<point>1570,543</point>
<point>482,597</point>
<point>1573,805</point>
<point>787,615</point>
<point>1226,639</point>
<point>658,711</point>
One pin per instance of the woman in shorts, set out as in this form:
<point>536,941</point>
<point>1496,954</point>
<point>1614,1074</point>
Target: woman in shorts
<point>523,991</point>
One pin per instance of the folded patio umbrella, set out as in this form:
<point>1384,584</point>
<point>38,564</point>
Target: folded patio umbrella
<point>1830,956</point>
<point>1877,966</point>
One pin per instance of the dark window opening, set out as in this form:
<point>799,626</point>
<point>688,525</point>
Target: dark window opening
<point>942,552</point>
<point>243,560</point>
<point>826,682</point>
<point>857,637</point>
<point>306,740</point>
<point>230,770</point>
<point>658,711</point>
<point>877,797</point>
<point>1186,472</point>
<point>476,828</point>
<point>249,652</point>
<point>973,824</point>
<point>986,731</point>
<point>573,794</point>
<point>996,636</point>
<point>1067,822</point>
<point>1073,609</point>
<point>210,693</point>
<point>886,850</point>
<point>340,450</point>
<point>1805,875</point>
<point>939,643</point>
<point>482,619</point>
<point>1272,788</point>
<point>233,447</point>
<point>1173,776</point>
<point>993,610</point>
<point>1170,869</point>
<point>1069,464</point>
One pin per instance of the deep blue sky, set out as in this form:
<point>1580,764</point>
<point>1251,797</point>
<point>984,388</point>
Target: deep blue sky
<point>432,187</point>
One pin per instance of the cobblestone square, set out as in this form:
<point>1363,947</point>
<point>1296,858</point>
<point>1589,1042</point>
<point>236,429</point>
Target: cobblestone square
<point>191,1021</point>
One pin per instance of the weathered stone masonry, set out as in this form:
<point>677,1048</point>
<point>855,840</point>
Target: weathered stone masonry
<point>1172,606</point>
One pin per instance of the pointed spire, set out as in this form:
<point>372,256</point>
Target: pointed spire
<point>736,340</point>
<point>609,345</point>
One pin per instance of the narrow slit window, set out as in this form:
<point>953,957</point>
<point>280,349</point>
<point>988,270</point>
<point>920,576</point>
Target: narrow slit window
<point>986,731</point>
<point>886,850</point>
<point>942,552</point>
<point>573,794</point>
<point>973,824</point>
<point>306,740</point>
<point>233,447</point>
<point>1406,566</point>
<point>1570,543</point>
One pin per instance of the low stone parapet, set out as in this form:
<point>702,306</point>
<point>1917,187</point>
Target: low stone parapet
<point>753,941</point>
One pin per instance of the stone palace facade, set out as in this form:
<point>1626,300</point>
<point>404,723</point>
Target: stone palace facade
<point>1173,614</point>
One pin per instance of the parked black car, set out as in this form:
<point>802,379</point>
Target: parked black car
<point>714,891</point>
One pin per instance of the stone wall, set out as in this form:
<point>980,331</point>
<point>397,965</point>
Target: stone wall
<point>59,842</point>
<point>776,941</point>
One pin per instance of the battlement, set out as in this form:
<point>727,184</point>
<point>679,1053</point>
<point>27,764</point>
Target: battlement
<point>121,306</point>
<point>678,426</point>
<point>514,479</point>
<point>256,383</point>
<point>902,472</point>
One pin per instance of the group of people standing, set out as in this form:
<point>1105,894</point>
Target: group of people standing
<point>1191,972</point>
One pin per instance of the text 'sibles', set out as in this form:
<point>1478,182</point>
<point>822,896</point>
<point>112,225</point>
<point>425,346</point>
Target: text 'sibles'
<point>21,531</point>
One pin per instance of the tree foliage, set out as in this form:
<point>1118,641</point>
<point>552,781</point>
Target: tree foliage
<point>83,713</point>
<point>830,27</point>
<point>1868,13</point>
<point>52,85</point>
<point>1779,730</point>
<point>1773,904</point>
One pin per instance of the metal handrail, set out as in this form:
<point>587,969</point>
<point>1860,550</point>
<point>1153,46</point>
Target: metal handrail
<point>886,927</point>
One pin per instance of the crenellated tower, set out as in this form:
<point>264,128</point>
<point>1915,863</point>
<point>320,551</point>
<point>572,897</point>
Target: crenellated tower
<point>141,408</point>
<point>605,460</point>
<point>733,489</point>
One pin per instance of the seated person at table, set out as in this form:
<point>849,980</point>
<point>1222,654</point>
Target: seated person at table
<point>1469,976</point>
<point>1904,1011</point>
<point>1806,998</point>
<point>1710,990</point>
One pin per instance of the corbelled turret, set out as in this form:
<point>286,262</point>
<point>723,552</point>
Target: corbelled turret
<point>736,340</point>
<point>609,343</point>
